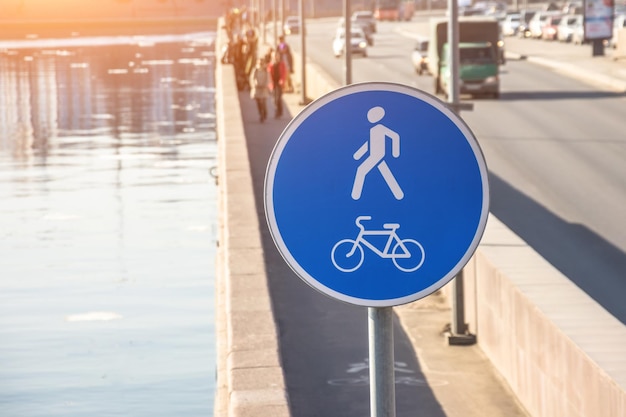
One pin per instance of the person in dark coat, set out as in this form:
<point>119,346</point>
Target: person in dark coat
<point>278,75</point>
<point>285,53</point>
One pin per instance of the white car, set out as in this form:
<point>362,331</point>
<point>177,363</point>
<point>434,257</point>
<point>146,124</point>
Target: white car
<point>357,41</point>
<point>511,24</point>
<point>538,21</point>
<point>566,27</point>
<point>419,57</point>
<point>365,18</point>
<point>292,25</point>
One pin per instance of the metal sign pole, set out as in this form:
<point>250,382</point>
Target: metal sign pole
<point>382,377</point>
<point>453,50</point>
<point>347,43</point>
<point>262,22</point>
<point>274,17</point>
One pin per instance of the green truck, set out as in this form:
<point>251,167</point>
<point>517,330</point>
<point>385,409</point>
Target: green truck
<point>480,53</point>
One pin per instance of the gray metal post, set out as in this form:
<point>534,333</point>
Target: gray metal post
<point>453,50</point>
<point>459,334</point>
<point>458,306</point>
<point>304,100</point>
<point>282,17</point>
<point>382,376</point>
<point>348,41</point>
<point>597,47</point>
<point>274,17</point>
<point>262,22</point>
<point>458,328</point>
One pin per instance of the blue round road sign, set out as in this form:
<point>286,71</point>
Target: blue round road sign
<point>376,194</point>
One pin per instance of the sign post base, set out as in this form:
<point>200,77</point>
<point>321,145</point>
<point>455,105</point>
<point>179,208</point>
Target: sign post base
<point>461,339</point>
<point>381,358</point>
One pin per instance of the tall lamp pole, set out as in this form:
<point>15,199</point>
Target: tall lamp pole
<point>458,329</point>
<point>274,7</point>
<point>304,100</point>
<point>347,43</point>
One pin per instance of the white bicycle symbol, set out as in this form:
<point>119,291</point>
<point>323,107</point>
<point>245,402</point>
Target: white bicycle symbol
<point>405,380</point>
<point>407,254</point>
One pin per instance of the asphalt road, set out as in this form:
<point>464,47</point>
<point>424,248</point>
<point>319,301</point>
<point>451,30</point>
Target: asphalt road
<point>554,146</point>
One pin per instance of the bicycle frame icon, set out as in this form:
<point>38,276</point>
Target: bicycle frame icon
<point>348,254</point>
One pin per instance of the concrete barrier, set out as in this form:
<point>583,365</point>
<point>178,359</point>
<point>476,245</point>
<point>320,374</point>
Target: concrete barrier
<point>250,379</point>
<point>560,352</point>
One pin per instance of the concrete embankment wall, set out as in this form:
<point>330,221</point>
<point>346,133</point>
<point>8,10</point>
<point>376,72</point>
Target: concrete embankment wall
<point>249,374</point>
<point>560,352</point>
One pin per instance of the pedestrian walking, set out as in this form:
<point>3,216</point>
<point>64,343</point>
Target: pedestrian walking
<point>239,61</point>
<point>284,50</point>
<point>251,45</point>
<point>260,82</point>
<point>278,75</point>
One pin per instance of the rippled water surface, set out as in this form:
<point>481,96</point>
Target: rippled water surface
<point>107,227</point>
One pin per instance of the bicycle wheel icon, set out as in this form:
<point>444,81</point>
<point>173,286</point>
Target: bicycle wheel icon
<point>347,255</point>
<point>407,255</point>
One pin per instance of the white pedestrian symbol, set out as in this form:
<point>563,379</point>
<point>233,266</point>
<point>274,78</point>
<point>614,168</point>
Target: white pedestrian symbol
<point>375,159</point>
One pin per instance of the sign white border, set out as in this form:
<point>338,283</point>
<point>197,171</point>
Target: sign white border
<point>292,127</point>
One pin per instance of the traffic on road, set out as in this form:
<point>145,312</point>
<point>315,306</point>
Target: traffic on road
<point>563,24</point>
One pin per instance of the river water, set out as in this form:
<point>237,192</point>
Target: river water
<point>108,226</point>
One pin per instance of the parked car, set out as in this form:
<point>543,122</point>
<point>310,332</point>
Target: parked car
<point>573,7</point>
<point>358,42</point>
<point>538,20</point>
<point>419,57</point>
<point>523,30</point>
<point>292,25</point>
<point>578,33</point>
<point>565,29</point>
<point>495,9</point>
<point>549,28</point>
<point>511,24</point>
<point>365,18</point>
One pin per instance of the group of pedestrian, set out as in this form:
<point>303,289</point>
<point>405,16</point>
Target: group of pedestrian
<point>268,78</point>
<point>241,51</point>
<point>271,77</point>
<point>265,76</point>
